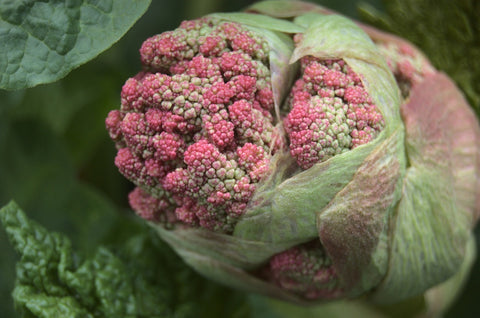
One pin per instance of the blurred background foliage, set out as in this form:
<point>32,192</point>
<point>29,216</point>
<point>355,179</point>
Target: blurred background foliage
<point>57,159</point>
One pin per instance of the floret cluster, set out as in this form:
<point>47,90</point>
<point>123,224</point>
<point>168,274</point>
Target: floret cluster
<point>304,270</point>
<point>195,131</point>
<point>331,112</point>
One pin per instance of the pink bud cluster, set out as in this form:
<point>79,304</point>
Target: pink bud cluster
<point>195,131</point>
<point>304,270</point>
<point>331,112</point>
<point>406,63</point>
<point>196,135</point>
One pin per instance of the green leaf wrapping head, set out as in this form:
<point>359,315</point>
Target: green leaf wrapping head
<point>303,158</point>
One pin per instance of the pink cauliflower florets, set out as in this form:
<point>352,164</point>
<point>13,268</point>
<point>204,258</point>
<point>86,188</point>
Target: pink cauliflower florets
<point>304,270</point>
<point>195,128</point>
<point>330,112</point>
<point>196,132</point>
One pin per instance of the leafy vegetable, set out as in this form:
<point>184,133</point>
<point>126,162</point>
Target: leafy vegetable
<point>42,41</point>
<point>140,279</point>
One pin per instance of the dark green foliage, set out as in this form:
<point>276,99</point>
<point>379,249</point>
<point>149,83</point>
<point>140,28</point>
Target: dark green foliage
<point>42,41</point>
<point>140,278</point>
<point>448,31</point>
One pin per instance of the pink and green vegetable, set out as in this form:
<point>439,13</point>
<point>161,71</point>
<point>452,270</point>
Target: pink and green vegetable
<point>291,152</point>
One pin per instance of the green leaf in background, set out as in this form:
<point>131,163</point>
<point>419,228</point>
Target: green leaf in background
<point>447,31</point>
<point>52,280</point>
<point>140,278</point>
<point>42,41</point>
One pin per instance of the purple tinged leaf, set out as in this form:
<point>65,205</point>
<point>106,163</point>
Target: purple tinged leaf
<point>353,228</point>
